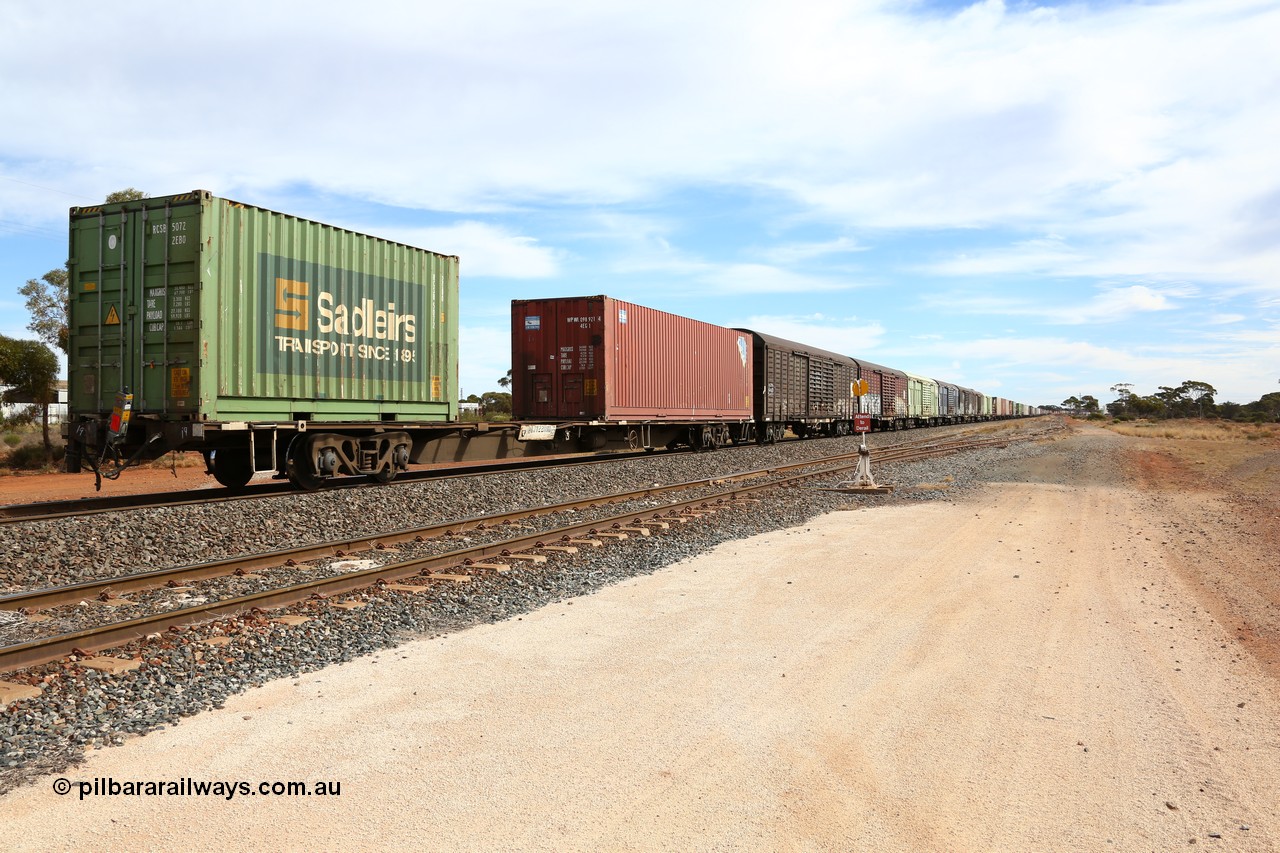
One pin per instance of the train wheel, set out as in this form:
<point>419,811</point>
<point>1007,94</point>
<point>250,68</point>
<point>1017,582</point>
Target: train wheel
<point>298,466</point>
<point>399,462</point>
<point>231,468</point>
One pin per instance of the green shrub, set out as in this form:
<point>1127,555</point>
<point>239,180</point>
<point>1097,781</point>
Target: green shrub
<point>13,439</point>
<point>31,456</point>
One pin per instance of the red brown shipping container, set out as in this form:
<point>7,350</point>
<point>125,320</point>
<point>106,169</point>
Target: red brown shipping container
<point>593,358</point>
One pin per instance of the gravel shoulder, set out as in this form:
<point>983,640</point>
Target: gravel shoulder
<point>1025,665</point>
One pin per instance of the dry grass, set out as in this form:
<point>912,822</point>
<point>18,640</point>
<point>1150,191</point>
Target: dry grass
<point>1245,456</point>
<point>1196,430</point>
<point>176,460</point>
<point>936,487</point>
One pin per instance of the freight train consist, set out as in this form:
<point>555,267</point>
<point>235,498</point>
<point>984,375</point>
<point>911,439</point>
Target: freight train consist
<point>273,343</point>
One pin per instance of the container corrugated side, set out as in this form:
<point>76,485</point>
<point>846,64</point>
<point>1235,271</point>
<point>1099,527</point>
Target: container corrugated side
<point>666,367</point>
<point>595,358</point>
<point>356,325</point>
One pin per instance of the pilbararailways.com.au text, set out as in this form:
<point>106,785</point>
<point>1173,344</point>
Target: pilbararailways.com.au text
<point>188,787</point>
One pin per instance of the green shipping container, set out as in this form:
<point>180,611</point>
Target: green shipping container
<point>209,310</point>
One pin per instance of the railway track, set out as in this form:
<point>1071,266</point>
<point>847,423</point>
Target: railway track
<point>594,519</point>
<point>50,510</point>
<point>80,507</point>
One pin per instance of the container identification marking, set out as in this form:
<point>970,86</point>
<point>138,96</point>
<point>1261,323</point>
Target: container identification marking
<point>176,302</point>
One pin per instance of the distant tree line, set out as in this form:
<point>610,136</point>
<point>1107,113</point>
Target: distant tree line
<point>494,405</point>
<point>1191,399</point>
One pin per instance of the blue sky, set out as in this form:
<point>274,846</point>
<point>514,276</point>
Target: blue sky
<point>1038,200</point>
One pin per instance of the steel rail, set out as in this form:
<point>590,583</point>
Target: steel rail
<point>79,507</point>
<point>74,508</point>
<point>44,599</point>
<point>48,649</point>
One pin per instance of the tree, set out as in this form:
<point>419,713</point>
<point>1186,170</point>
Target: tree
<point>1089,403</point>
<point>32,369</point>
<point>1172,399</point>
<point>1265,408</point>
<point>48,297</point>
<point>1072,404</point>
<point>496,403</point>
<point>1124,393</point>
<point>126,194</point>
<point>505,381</point>
<point>1200,393</point>
<point>48,303</point>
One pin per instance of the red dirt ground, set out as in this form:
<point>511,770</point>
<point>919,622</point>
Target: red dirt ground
<point>29,488</point>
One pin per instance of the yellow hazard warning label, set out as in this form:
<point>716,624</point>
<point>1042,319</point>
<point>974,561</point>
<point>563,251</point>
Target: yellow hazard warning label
<point>113,319</point>
<point>180,382</point>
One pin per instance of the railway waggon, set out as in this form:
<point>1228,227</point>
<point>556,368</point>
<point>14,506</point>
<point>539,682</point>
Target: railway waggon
<point>272,343</point>
<point>264,341</point>
<point>596,371</point>
<point>574,357</point>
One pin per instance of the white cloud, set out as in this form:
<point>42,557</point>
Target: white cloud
<point>1021,363</point>
<point>761,278</point>
<point>1109,305</point>
<point>792,253</point>
<point>729,279</point>
<point>845,335</point>
<point>485,250</point>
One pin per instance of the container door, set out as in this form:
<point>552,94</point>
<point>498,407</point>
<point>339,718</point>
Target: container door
<point>572,387</point>
<point>542,405</point>
<point>167,309</point>
<point>557,347</point>
<point>133,309</point>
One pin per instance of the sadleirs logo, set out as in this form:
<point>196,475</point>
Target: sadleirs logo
<point>293,305</point>
<point>363,320</point>
<point>330,321</point>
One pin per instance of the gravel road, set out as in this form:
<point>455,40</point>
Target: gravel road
<point>1018,666</point>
